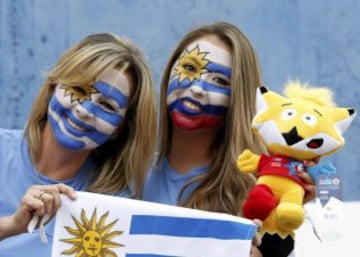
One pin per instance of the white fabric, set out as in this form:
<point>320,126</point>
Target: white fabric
<point>338,238</point>
<point>128,216</point>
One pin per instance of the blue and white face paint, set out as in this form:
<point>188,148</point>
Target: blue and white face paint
<point>198,94</point>
<point>84,117</point>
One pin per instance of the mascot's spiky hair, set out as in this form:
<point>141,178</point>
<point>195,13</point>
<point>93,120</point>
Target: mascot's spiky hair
<point>319,95</point>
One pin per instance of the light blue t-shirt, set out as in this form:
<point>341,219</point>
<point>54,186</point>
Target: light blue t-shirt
<point>164,183</point>
<point>17,174</point>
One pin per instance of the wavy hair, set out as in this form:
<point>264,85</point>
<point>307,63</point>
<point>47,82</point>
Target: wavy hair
<point>122,161</point>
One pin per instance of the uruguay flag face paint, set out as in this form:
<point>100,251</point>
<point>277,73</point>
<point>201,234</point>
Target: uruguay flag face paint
<point>198,93</point>
<point>84,117</point>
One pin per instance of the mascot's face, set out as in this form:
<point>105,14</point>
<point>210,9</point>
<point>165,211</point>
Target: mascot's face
<point>299,128</point>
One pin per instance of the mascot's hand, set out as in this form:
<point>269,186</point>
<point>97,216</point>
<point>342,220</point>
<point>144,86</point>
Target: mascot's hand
<point>248,162</point>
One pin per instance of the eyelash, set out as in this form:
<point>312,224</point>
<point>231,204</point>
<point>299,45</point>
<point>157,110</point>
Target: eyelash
<point>218,80</point>
<point>107,106</point>
<point>221,81</point>
<point>189,67</point>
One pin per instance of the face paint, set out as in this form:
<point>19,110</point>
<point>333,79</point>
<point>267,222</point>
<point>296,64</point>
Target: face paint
<point>84,117</point>
<point>199,90</point>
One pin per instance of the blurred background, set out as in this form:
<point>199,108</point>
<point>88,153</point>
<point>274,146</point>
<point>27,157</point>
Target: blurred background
<point>315,41</point>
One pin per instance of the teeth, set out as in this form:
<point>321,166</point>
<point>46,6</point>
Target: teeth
<point>191,106</point>
<point>72,124</point>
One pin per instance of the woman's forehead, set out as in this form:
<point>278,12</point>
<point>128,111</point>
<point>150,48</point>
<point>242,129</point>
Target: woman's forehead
<point>215,52</point>
<point>117,78</point>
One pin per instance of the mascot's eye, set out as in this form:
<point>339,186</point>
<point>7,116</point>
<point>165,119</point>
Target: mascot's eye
<point>288,114</point>
<point>309,119</point>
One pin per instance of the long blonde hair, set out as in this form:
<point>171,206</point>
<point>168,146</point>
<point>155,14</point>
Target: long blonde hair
<point>222,188</point>
<point>122,161</point>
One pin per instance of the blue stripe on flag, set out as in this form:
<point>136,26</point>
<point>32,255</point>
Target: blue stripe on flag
<point>191,227</point>
<point>148,255</point>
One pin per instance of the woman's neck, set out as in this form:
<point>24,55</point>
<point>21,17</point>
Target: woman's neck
<point>190,149</point>
<point>57,162</point>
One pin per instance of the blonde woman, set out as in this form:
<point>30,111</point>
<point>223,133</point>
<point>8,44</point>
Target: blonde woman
<point>91,128</point>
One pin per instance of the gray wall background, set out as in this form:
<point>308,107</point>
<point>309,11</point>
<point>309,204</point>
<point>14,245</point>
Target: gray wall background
<point>317,41</point>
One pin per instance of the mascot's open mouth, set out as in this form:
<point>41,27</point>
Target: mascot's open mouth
<point>315,143</point>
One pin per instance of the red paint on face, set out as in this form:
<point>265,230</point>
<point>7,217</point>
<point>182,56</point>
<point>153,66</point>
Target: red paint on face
<point>197,122</point>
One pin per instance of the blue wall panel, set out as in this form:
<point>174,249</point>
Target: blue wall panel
<point>316,41</point>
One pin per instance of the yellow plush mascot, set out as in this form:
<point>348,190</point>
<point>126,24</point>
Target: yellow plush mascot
<point>304,125</point>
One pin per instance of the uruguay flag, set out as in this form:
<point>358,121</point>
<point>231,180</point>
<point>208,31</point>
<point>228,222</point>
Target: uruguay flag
<point>106,226</point>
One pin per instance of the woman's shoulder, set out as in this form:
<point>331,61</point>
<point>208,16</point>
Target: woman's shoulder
<point>10,135</point>
<point>10,142</point>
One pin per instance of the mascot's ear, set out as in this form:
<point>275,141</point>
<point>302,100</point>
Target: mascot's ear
<point>265,97</point>
<point>260,101</point>
<point>343,118</point>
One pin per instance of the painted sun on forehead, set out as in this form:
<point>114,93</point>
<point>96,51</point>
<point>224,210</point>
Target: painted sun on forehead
<point>213,53</point>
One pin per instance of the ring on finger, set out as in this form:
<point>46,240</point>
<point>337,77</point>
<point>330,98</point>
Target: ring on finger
<point>41,195</point>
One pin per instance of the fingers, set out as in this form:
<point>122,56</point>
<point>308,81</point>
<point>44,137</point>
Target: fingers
<point>259,223</point>
<point>305,177</point>
<point>40,200</point>
<point>30,205</point>
<point>255,252</point>
<point>310,193</point>
<point>257,238</point>
<point>50,201</point>
<point>45,199</point>
<point>68,191</point>
<point>310,188</point>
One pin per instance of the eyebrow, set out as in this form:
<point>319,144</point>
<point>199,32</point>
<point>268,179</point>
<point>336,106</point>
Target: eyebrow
<point>111,92</point>
<point>215,67</point>
<point>315,110</point>
<point>319,113</point>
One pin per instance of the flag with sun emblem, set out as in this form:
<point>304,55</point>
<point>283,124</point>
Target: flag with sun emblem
<point>106,226</point>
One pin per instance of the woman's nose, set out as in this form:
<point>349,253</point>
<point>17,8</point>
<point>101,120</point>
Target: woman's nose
<point>83,112</point>
<point>197,90</point>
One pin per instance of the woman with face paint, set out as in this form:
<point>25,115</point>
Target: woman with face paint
<point>207,103</point>
<point>91,128</point>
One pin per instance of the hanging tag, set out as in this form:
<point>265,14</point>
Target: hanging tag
<point>329,198</point>
<point>329,206</point>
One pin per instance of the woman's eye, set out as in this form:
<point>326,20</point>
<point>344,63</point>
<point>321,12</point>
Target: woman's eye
<point>80,90</point>
<point>221,81</point>
<point>107,106</point>
<point>189,67</point>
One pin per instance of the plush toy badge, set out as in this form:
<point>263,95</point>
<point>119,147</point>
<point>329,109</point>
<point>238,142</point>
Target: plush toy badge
<point>302,126</point>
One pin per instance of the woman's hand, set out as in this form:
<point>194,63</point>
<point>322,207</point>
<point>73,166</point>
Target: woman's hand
<point>254,252</point>
<point>310,184</point>
<point>38,201</point>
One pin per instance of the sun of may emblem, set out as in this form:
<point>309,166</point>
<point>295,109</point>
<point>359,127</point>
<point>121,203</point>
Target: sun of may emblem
<point>191,65</point>
<point>92,237</point>
<point>79,93</point>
